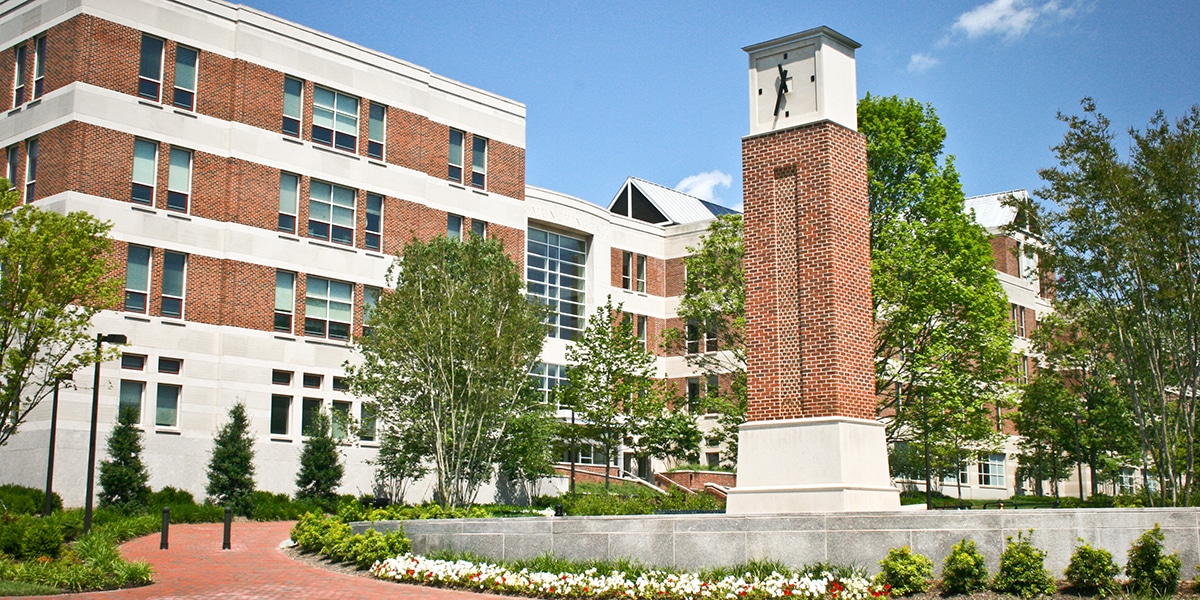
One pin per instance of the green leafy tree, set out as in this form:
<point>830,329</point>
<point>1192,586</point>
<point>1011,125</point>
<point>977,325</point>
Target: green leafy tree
<point>714,300</point>
<point>611,381</point>
<point>527,453</point>
<point>671,435</point>
<point>942,345</point>
<point>1046,422</point>
<point>399,461</point>
<point>321,467</point>
<point>123,477</point>
<point>1125,235</point>
<point>231,467</point>
<point>451,348</point>
<point>56,272</point>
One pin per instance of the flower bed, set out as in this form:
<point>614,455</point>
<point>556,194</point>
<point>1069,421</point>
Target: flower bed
<point>411,568</point>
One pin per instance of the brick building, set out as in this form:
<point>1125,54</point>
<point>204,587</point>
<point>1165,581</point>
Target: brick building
<point>259,175</point>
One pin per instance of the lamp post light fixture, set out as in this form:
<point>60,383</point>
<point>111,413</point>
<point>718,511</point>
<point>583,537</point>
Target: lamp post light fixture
<point>112,338</point>
<point>49,506</point>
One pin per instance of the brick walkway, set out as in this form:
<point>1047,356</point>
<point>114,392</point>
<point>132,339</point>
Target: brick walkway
<point>196,567</point>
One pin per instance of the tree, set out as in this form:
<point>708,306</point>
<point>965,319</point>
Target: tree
<point>672,435</point>
<point>1049,431</point>
<point>451,348</point>
<point>56,272</point>
<point>1125,234</point>
<point>943,346</point>
<point>399,462</point>
<point>714,299</point>
<point>611,381</point>
<point>123,477</point>
<point>231,467</point>
<point>527,452</point>
<point>321,467</point>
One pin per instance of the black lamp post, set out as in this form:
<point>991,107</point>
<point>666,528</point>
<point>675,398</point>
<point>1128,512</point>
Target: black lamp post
<point>50,455</point>
<point>112,338</point>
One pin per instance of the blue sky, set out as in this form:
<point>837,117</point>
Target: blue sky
<point>658,89</point>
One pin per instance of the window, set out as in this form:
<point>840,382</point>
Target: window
<point>174,271</point>
<point>133,362</point>
<point>641,330</point>
<point>479,228</point>
<point>555,275</point>
<point>454,227</point>
<point>289,199</point>
<point>1022,370</point>
<point>701,339</point>
<point>131,397</point>
<point>1017,315</point>
<point>185,77</point>
<point>10,171</point>
<point>150,68</point>
<point>285,300</point>
<point>641,273</point>
<point>479,162</point>
<point>331,212</point>
<point>39,66</point>
<point>327,308</point>
<point>1126,481</point>
<point>591,455</point>
<point>712,385</point>
<point>340,419</point>
<point>712,459</point>
<point>281,377</point>
<point>166,413</point>
<point>991,470</point>
<point>374,231</point>
<point>312,380</point>
<point>281,412</point>
<point>370,301</point>
<point>339,384</point>
<point>626,270</point>
<point>31,160</point>
<point>308,415</point>
<point>19,76</point>
<point>548,378</point>
<point>375,130</point>
<point>693,394</point>
<point>456,155</point>
<point>179,179</point>
<point>293,105</point>
<point>137,278</point>
<point>366,422</point>
<point>171,366</point>
<point>335,119</point>
<point>145,171</point>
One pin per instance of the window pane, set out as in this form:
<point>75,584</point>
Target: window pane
<point>454,227</point>
<point>166,413</point>
<point>137,271</point>
<point>308,414</point>
<point>374,213</point>
<point>180,174</point>
<point>340,418</point>
<point>145,160</point>
<point>375,126</point>
<point>289,192</point>
<point>348,104</point>
<point>281,408</point>
<point>173,266</point>
<point>293,90</point>
<point>456,148</point>
<point>341,291</point>
<point>323,98</point>
<point>185,68</point>
<point>479,154</point>
<point>131,397</point>
<point>150,64</point>
<point>285,285</point>
<point>546,280</point>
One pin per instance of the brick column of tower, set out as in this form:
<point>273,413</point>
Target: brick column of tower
<point>811,442</point>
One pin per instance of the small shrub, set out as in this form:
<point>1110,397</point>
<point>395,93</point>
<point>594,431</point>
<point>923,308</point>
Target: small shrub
<point>41,538</point>
<point>169,496</point>
<point>123,475</point>
<point>22,500</point>
<point>905,572</point>
<point>964,570</point>
<point>1150,572</point>
<point>1023,569</point>
<point>1092,571</point>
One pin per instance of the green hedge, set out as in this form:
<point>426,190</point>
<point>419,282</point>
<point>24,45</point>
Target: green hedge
<point>22,500</point>
<point>331,537</point>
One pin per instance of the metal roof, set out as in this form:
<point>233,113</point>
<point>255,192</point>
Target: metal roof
<point>990,212</point>
<point>676,206</point>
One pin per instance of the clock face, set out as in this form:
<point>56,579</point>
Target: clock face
<point>786,87</point>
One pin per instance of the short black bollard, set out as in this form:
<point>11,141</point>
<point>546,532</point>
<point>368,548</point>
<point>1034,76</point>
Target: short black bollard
<point>162,544</point>
<point>225,545</point>
<point>558,510</point>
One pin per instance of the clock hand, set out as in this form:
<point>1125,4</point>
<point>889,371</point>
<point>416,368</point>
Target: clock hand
<point>783,89</point>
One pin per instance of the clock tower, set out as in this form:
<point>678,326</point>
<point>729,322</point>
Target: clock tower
<point>811,442</point>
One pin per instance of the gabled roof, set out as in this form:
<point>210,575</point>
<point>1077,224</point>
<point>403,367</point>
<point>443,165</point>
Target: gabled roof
<point>990,212</point>
<point>646,201</point>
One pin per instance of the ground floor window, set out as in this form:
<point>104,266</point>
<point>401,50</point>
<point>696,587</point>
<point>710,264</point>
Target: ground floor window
<point>991,470</point>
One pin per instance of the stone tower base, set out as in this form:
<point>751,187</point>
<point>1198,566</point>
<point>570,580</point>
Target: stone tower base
<point>821,464</point>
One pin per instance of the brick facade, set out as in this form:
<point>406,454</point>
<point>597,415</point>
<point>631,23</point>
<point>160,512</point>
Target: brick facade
<point>808,301</point>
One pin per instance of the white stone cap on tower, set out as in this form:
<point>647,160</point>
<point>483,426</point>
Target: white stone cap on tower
<point>818,65</point>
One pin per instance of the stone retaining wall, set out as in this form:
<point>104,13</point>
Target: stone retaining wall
<point>694,541</point>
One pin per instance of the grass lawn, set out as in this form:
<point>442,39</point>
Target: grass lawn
<point>13,588</point>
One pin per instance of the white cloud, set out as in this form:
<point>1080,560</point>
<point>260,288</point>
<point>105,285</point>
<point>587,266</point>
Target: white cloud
<point>704,185</point>
<point>1012,19</point>
<point>921,62</point>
